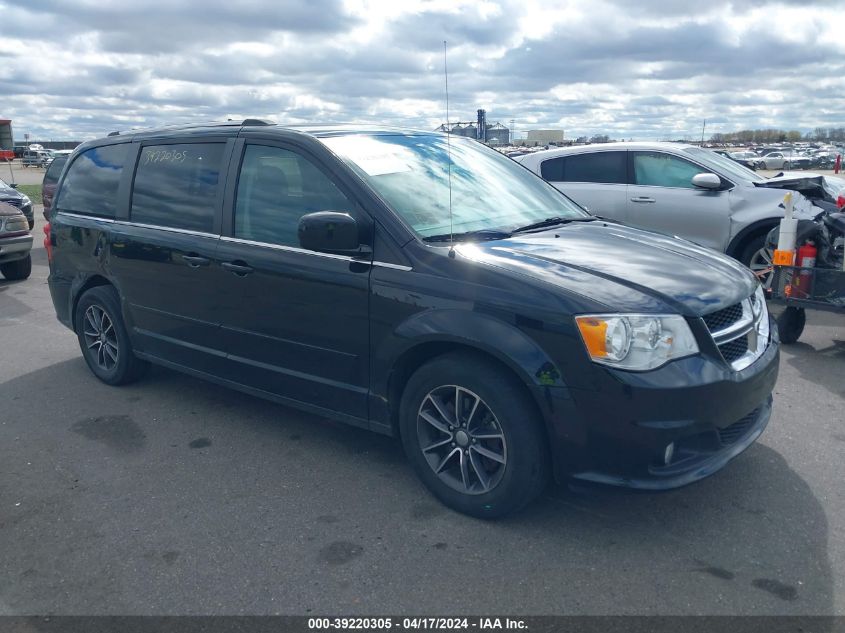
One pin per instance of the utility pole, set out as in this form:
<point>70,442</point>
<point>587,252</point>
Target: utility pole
<point>703,125</point>
<point>513,130</point>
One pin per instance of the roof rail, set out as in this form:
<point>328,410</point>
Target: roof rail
<point>115,133</point>
<point>258,122</point>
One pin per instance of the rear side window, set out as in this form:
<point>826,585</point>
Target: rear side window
<point>176,186</point>
<point>603,167</point>
<point>276,188</point>
<point>92,181</point>
<point>552,169</point>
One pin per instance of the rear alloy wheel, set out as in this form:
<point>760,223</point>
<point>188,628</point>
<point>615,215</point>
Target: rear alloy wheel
<point>103,339</point>
<point>787,165</point>
<point>473,435</point>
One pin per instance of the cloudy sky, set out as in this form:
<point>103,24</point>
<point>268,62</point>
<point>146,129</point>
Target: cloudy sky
<point>643,69</point>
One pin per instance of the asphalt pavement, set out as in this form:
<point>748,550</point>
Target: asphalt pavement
<point>176,496</point>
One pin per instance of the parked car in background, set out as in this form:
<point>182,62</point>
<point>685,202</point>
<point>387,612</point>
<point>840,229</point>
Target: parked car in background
<point>672,188</point>
<point>10,195</point>
<point>746,159</point>
<point>51,179</point>
<point>784,160</point>
<point>15,243</point>
<point>503,333</point>
<point>36,158</point>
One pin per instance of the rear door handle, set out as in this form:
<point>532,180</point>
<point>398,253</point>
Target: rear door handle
<point>195,261</point>
<point>239,268</point>
<point>642,199</point>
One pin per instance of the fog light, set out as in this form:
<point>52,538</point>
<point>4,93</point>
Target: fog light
<point>668,453</point>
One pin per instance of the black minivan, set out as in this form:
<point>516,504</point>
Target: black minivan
<point>418,286</point>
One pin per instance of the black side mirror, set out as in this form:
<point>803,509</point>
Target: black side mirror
<point>329,232</point>
<point>13,185</point>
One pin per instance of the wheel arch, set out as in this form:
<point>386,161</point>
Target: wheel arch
<point>79,288</point>
<point>491,339</point>
<point>752,231</point>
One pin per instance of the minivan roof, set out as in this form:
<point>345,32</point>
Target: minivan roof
<point>312,130</point>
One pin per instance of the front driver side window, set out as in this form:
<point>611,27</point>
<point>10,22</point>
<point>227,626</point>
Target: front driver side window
<point>276,188</point>
<point>663,170</point>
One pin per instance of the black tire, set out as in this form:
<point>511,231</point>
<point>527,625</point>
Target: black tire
<point>787,165</point>
<point>791,324</point>
<point>116,368</point>
<point>31,223</point>
<point>18,269</point>
<point>525,471</point>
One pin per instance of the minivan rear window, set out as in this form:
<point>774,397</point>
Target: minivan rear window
<point>176,186</point>
<point>91,184</point>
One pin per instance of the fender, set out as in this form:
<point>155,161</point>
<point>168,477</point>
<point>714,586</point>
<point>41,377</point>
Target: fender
<point>474,330</point>
<point>763,226</point>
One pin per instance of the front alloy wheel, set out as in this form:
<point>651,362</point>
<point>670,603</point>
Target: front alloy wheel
<point>473,435</point>
<point>762,267</point>
<point>461,440</point>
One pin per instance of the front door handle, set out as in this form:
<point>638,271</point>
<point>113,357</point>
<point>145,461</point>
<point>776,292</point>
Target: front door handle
<point>239,268</point>
<point>195,261</point>
<point>643,199</point>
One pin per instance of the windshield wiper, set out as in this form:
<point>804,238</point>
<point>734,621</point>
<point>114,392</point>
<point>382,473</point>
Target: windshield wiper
<point>553,222</point>
<point>467,236</point>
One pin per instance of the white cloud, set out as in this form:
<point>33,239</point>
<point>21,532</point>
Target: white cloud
<point>652,69</point>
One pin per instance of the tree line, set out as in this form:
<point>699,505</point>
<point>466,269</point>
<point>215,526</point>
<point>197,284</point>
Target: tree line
<point>780,136</point>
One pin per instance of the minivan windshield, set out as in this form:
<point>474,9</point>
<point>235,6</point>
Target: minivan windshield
<point>722,165</point>
<point>489,192</point>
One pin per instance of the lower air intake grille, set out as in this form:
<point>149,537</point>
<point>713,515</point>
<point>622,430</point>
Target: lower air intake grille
<point>732,433</point>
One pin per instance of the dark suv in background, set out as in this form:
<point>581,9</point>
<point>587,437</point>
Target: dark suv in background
<point>51,180</point>
<point>10,195</point>
<point>439,293</point>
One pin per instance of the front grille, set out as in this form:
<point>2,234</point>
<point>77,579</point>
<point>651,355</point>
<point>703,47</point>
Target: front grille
<point>732,433</point>
<point>723,318</point>
<point>734,349</point>
<point>15,202</point>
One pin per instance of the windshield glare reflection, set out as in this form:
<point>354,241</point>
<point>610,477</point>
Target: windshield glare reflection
<point>489,191</point>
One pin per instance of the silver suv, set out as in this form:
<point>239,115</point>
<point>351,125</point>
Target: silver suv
<point>674,189</point>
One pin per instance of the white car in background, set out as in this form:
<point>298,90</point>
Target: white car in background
<point>676,189</point>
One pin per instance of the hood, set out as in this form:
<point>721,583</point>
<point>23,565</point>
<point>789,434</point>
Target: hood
<point>813,186</point>
<point>7,210</point>
<point>622,268</point>
<point>7,193</point>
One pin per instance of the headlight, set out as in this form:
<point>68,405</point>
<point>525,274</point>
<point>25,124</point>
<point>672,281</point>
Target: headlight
<point>25,199</point>
<point>758,302</point>
<point>636,341</point>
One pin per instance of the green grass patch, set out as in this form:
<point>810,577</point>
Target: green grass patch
<point>33,191</point>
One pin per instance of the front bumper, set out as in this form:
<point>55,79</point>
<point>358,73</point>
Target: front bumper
<point>13,248</point>
<point>618,433</point>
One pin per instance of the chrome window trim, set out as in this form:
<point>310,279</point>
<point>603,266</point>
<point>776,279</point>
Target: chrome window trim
<point>291,249</point>
<point>169,229</point>
<point>393,266</point>
<point>238,240</point>
<point>81,216</point>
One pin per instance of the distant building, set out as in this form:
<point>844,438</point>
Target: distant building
<point>492,133</point>
<point>544,137</point>
<point>498,134</point>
